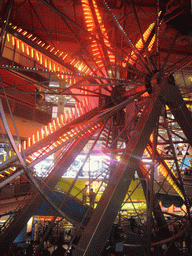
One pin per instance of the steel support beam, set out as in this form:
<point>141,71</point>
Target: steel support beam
<point>158,214</point>
<point>179,109</point>
<point>98,229</point>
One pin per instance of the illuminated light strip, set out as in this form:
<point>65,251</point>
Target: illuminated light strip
<point>81,107</point>
<point>50,65</point>
<point>58,123</point>
<point>68,115</point>
<point>54,66</point>
<point>65,56</point>
<point>90,27</point>
<point>106,41</point>
<point>32,53</point>
<point>150,46</point>
<point>62,139</point>
<point>8,37</point>
<point>52,49</point>
<point>46,65</point>
<point>139,45</point>
<point>54,125</point>
<point>39,56</point>
<point>72,115</point>
<point>76,114</point>
<point>13,41</point>
<point>56,52</point>
<point>18,44</point>
<point>24,145</point>
<point>29,142</point>
<point>27,49</point>
<point>62,120</point>
<point>42,133</point>
<point>86,102</point>
<point>46,131</point>
<point>38,137</point>
<point>33,139</point>
<point>76,110</point>
<point>61,54</point>
<point>36,154</point>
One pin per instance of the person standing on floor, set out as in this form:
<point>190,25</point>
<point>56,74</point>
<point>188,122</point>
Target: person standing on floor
<point>92,197</point>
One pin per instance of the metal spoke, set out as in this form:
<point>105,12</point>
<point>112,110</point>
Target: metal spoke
<point>141,34</point>
<point>171,49</point>
<point>128,40</point>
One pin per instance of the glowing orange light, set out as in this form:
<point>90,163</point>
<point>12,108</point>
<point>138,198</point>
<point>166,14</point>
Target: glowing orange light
<point>8,37</point>
<point>38,137</point>
<point>27,48</point>
<point>46,131</point>
<point>37,56</point>
<point>32,53</point>
<point>17,44</point>
<point>65,56</point>
<point>29,142</point>
<point>24,144</point>
<point>50,64</point>
<point>41,58</point>
<point>45,62</point>
<point>33,139</point>
<point>13,40</point>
